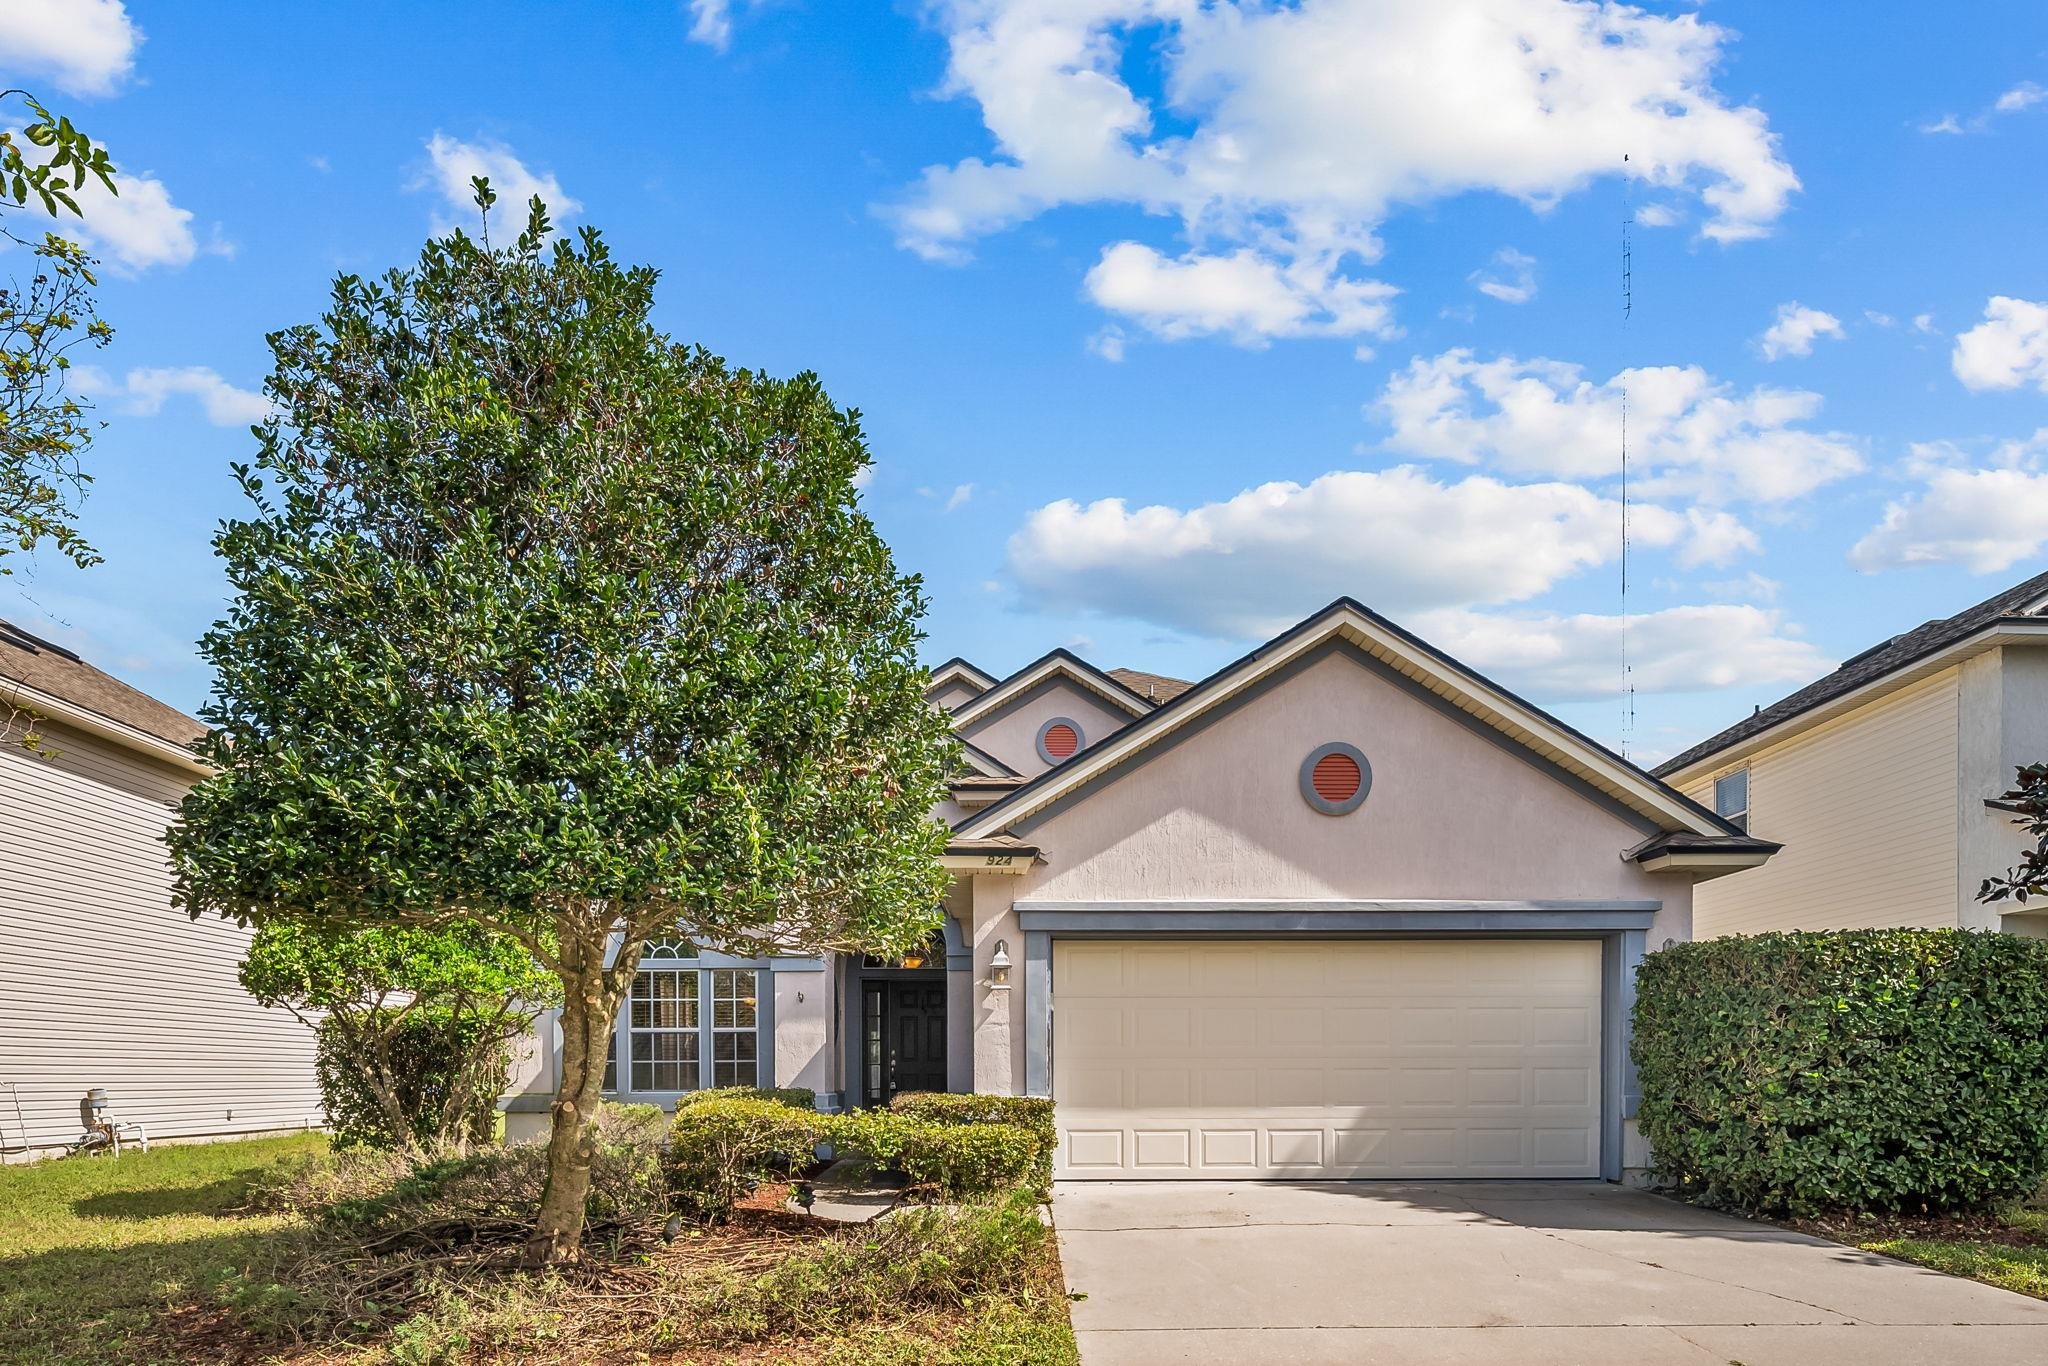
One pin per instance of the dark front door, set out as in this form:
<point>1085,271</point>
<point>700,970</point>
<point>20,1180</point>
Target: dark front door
<point>906,1037</point>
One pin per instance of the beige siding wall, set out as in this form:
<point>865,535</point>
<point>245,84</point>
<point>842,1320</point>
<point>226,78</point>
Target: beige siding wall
<point>1866,809</point>
<point>104,983</point>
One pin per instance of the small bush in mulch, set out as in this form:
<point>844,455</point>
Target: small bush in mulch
<point>1879,1071</point>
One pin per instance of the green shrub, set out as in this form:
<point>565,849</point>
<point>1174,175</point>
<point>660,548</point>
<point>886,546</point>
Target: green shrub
<point>796,1097</point>
<point>1866,1070</point>
<point>957,1160</point>
<point>720,1147</point>
<point>445,1069</point>
<point>1026,1112</point>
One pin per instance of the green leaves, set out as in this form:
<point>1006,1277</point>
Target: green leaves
<point>1854,1070</point>
<point>538,612</point>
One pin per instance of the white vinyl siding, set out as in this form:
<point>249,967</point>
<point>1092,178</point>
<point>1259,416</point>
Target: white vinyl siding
<point>1339,1059</point>
<point>1865,806</point>
<point>104,983</point>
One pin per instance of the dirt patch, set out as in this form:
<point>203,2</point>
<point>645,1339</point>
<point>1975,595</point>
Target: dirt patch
<point>1948,1228</point>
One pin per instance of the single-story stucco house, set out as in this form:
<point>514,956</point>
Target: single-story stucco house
<point>103,983</point>
<point>1345,908</point>
<point>1882,780</point>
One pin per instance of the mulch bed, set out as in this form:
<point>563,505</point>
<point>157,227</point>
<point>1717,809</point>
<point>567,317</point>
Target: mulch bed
<point>1951,1228</point>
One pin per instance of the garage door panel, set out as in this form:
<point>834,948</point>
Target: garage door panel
<point>1466,1058</point>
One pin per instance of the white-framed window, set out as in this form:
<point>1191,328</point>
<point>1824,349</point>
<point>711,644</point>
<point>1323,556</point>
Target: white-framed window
<point>1731,798</point>
<point>686,1026</point>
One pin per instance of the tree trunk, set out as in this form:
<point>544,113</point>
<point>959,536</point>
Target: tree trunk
<point>587,1009</point>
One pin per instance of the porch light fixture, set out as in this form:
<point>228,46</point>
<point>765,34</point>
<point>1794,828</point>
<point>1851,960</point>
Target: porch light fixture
<point>999,967</point>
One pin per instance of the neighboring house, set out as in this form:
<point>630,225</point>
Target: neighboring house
<point>104,983</point>
<point>1881,779</point>
<point>1345,908</point>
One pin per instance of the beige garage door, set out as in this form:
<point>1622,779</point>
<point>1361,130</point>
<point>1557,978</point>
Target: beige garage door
<point>1330,1059</point>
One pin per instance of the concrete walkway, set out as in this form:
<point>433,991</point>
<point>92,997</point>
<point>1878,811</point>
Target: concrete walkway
<point>1530,1273</point>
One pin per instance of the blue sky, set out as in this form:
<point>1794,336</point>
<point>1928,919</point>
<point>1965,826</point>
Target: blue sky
<point>1171,321</point>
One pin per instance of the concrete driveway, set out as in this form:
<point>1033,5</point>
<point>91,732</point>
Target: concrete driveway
<point>1573,1273</point>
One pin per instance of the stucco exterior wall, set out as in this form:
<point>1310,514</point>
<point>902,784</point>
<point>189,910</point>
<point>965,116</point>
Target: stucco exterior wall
<point>1866,806</point>
<point>803,1031</point>
<point>950,695</point>
<point>1452,815</point>
<point>1011,732</point>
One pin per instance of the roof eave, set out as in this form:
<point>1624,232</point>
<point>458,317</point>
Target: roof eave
<point>1408,654</point>
<point>55,708</point>
<point>2005,631</point>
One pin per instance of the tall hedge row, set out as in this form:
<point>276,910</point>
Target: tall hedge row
<point>1878,1070</point>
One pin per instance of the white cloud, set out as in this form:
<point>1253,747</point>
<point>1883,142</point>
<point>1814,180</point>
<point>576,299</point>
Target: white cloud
<point>959,497</point>
<point>1243,296</point>
<point>86,46</point>
<point>1293,131</point>
<point>1796,329</point>
<point>1715,538</point>
<point>1660,215</point>
<point>1578,657</point>
<point>1510,278</point>
<point>1877,319</point>
<point>1689,434</point>
<point>1108,344</point>
<point>143,392</point>
<point>138,228</point>
<point>711,23</point>
<point>454,162</point>
<point>1249,565</point>
<point>1923,322</point>
<point>2025,95</point>
<point>1985,520</point>
<point>2007,350</point>
<point>2020,98</point>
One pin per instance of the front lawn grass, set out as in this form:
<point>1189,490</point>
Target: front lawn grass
<point>158,1259</point>
<point>2008,1249</point>
<point>92,1250</point>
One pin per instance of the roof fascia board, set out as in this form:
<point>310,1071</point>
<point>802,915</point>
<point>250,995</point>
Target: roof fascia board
<point>958,670</point>
<point>1408,655</point>
<point>1053,665</point>
<point>2005,631</point>
<point>104,727</point>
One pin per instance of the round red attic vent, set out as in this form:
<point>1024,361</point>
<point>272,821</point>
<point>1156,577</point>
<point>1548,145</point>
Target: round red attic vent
<point>1336,777</point>
<point>1061,740</point>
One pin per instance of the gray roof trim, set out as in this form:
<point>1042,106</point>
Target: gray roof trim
<point>1572,745</point>
<point>1037,671</point>
<point>2014,607</point>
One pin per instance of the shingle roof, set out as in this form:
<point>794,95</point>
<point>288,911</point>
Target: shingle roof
<point>2022,599</point>
<point>52,669</point>
<point>1154,688</point>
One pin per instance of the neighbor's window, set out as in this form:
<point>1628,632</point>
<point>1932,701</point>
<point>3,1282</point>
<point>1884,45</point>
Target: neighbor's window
<point>1731,798</point>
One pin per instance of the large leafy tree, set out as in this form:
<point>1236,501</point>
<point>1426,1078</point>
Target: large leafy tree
<point>45,426</point>
<point>2027,801</point>
<point>416,1026</point>
<point>546,623</point>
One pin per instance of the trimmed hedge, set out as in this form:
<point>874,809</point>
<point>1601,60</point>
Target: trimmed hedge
<point>957,1160</point>
<point>1033,1113</point>
<point>719,1147</point>
<point>796,1097</point>
<point>1859,1070</point>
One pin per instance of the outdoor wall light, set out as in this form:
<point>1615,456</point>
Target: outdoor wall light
<point>999,967</point>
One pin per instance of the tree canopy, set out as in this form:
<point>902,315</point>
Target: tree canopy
<point>547,623</point>
<point>45,426</point>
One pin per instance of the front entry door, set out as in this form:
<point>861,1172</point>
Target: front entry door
<point>907,1019</point>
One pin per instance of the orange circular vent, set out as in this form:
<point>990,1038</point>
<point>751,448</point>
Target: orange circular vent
<point>1061,740</point>
<point>1336,778</point>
